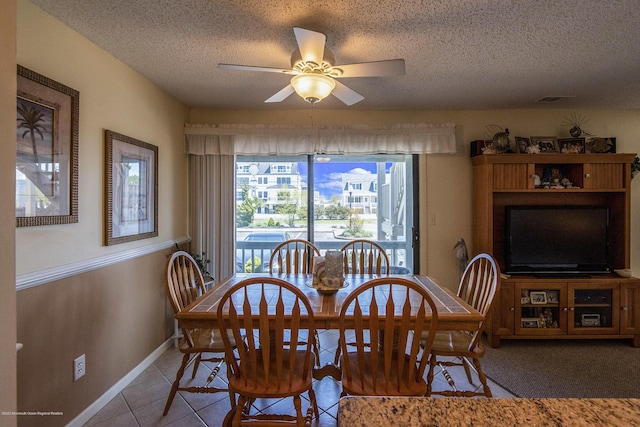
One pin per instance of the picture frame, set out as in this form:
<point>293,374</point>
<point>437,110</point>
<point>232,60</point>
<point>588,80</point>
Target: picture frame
<point>545,144</point>
<point>552,297</point>
<point>478,146</point>
<point>47,114</point>
<point>131,189</point>
<point>538,297</point>
<point>571,145</point>
<point>530,322</point>
<point>521,144</point>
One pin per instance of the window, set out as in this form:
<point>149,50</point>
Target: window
<point>327,200</point>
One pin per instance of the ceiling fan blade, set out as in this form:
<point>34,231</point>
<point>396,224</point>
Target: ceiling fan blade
<point>311,45</point>
<point>253,68</point>
<point>392,67</point>
<point>282,94</point>
<point>346,95</point>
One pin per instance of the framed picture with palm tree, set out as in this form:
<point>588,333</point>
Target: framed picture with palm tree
<point>47,151</point>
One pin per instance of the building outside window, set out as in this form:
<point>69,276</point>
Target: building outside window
<point>325,199</point>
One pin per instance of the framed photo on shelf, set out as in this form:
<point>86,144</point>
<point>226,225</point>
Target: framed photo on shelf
<point>545,144</point>
<point>530,322</point>
<point>538,297</point>
<point>46,151</point>
<point>521,144</point>
<point>571,145</point>
<point>552,297</point>
<point>478,146</point>
<point>131,189</point>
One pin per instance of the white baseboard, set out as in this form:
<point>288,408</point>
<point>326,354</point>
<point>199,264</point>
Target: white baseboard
<point>96,406</point>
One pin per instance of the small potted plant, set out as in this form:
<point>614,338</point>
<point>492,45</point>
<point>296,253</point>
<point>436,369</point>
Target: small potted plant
<point>202,262</point>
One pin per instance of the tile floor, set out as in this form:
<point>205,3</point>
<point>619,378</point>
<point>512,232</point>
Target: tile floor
<point>142,402</point>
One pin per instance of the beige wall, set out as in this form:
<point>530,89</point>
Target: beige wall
<point>7,211</point>
<point>115,315</point>
<point>118,314</point>
<point>114,97</point>
<point>445,192</point>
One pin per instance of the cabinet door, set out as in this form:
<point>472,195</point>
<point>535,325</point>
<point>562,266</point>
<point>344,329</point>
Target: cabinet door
<point>629,308</point>
<point>540,309</point>
<point>593,309</point>
<point>513,176</point>
<point>603,176</point>
<point>503,311</point>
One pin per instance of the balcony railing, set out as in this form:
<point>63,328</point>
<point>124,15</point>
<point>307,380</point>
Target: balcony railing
<point>245,251</point>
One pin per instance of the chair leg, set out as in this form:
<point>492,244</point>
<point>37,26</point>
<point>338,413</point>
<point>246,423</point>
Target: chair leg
<point>314,403</point>
<point>449,378</point>
<point>176,383</point>
<point>195,366</point>
<point>298,406</point>
<point>241,409</point>
<point>214,373</point>
<point>316,347</point>
<point>336,359</point>
<point>432,365</point>
<point>483,378</point>
<point>467,369</point>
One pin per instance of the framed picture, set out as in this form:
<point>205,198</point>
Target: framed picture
<point>478,146</point>
<point>552,297</point>
<point>521,144</point>
<point>544,144</point>
<point>538,297</point>
<point>530,322</point>
<point>571,145</point>
<point>131,189</point>
<point>46,151</point>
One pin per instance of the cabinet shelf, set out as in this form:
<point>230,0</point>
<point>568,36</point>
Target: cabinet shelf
<point>592,305</point>
<point>603,306</point>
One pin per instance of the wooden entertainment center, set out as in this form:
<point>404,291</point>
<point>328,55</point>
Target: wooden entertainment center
<point>527,306</point>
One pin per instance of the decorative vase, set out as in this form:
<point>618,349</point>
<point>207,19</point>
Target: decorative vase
<point>575,131</point>
<point>501,142</point>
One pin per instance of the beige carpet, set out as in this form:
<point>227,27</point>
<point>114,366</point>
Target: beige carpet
<point>565,368</point>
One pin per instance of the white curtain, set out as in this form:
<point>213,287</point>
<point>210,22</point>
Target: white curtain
<point>212,150</point>
<point>290,140</point>
<point>211,211</point>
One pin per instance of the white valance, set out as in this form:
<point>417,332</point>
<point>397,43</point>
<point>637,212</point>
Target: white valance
<point>245,139</point>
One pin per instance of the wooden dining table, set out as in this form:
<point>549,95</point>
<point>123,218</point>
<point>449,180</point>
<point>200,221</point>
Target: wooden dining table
<point>453,312</point>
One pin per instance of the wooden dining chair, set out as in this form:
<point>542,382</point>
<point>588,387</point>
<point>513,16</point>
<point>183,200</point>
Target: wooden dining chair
<point>362,256</point>
<point>478,287</point>
<point>296,256</point>
<point>387,317</point>
<point>277,358</point>
<point>293,256</point>
<point>184,283</point>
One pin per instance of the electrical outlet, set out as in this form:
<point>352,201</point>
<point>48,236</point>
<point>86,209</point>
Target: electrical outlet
<point>79,368</point>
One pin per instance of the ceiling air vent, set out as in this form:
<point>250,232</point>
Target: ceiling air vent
<point>553,98</point>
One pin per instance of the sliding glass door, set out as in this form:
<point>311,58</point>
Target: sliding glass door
<point>327,200</point>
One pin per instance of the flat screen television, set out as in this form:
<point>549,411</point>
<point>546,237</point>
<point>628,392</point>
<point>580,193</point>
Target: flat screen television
<point>562,240</point>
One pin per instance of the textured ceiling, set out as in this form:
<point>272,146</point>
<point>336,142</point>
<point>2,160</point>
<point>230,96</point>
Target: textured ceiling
<point>460,54</point>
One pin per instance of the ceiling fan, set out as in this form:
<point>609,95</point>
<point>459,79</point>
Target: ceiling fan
<point>314,73</point>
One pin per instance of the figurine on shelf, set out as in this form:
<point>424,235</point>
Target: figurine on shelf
<point>546,318</point>
<point>533,149</point>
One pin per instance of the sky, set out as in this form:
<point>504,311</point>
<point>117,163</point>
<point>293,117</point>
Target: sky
<point>327,175</point>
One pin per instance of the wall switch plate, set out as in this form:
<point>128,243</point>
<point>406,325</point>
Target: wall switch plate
<point>79,368</point>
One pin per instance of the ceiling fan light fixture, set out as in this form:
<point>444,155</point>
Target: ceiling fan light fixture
<point>313,87</point>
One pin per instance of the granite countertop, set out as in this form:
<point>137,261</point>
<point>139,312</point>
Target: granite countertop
<point>357,411</point>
